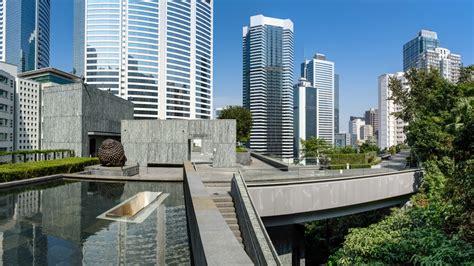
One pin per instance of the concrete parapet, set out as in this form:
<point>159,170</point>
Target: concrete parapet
<point>275,163</point>
<point>257,243</point>
<point>301,201</point>
<point>212,241</point>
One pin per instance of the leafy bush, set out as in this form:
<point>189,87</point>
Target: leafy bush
<point>337,166</point>
<point>240,149</point>
<point>353,158</point>
<point>19,171</point>
<point>407,236</point>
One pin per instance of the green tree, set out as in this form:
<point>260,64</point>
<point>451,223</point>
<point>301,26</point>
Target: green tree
<point>366,147</point>
<point>315,147</point>
<point>243,119</point>
<point>438,227</point>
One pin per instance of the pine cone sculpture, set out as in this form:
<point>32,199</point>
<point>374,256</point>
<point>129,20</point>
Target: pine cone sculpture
<point>111,153</point>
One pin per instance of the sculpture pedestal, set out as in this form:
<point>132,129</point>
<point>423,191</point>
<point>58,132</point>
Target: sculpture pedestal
<point>126,170</point>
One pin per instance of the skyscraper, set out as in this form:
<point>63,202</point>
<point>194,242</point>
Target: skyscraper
<point>372,118</point>
<point>157,54</point>
<point>320,74</point>
<point>424,52</point>
<point>390,128</point>
<point>355,123</point>
<point>267,84</point>
<point>412,50</point>
<point>336,103</point>
<point>24,33</point>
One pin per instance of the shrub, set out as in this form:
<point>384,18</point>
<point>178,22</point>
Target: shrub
<point>19,171</point>
<point>360,165</point>
<point>240,149</point>
<point>337,166</point>
<point>355,158</point>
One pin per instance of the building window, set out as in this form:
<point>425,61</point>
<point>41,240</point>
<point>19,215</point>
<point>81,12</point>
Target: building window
<point>3,108</point>
<point>3,136</point>
<point>3,122</point>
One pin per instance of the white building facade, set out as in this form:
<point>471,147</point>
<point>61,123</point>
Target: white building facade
<point>391,129</point>
<point>355,125</point>
<point>7,106</point>
<point>268,83</point>
<point>320,74</point>
<point>155,53</point>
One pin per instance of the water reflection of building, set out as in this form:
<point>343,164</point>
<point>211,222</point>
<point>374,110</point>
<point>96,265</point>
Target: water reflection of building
<point>22,241</point>
<point>58,225</point>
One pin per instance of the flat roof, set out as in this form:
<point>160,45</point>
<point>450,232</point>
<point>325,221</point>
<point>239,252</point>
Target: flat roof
<point>47,70</point>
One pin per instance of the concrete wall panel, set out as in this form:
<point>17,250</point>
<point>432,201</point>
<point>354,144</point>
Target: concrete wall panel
<point>323,195</point>
<point>167,140</point>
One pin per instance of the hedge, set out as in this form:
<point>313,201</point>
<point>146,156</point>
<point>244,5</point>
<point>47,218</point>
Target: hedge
<point>19,171</point>
<point>362,165</point>
<point>34,152</point>
<point>342,158</point>
<point>337,166</point>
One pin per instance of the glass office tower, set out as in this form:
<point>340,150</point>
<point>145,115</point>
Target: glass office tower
<point>425,40</point>
<point>24,33</point>
<point>267,84</point>
<point>155,53</point>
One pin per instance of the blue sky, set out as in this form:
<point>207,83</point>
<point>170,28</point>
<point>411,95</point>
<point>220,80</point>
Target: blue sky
<point>364,38</point>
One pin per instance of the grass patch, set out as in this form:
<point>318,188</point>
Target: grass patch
<point>240,149</point>
<point>19,171</point>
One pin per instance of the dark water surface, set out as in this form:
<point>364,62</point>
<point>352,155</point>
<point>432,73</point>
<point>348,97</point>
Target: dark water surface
<point>56,223</point>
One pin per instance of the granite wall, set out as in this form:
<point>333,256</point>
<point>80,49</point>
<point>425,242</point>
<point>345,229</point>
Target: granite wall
<point>70,112</point>
<point>168,141</point>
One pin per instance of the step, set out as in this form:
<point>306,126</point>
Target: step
<point>222,199</point>
<point>234,227</point>
<point>226,210</point>
<point>231,220</point>
<point>239,239</point>
<point>217,184</point>
<point>220,204</point>
<point>236,233</point>
<point>229,215</point>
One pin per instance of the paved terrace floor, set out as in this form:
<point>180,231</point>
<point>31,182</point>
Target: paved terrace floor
<point>259,171</point>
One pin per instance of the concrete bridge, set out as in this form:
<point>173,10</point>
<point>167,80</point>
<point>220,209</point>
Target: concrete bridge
<point>270,205</point>
<point>284,203</point>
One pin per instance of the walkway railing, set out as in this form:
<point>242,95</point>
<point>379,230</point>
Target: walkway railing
<point>258,244</point>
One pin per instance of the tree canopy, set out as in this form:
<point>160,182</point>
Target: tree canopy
<point>243,119</point>
<point>438,226</point>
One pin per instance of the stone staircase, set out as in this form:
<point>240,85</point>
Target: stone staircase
<point>220,195</point>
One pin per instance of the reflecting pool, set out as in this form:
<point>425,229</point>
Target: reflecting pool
<point>56,223</point>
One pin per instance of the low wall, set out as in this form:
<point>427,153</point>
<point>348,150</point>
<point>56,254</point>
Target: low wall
<point>268,160</point>
<point>212,241</point>
<point>255,238</point>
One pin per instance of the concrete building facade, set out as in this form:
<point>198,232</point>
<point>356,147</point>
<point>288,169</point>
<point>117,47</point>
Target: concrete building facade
<point>342,139</point>
<point>7,106</point>
<point>355,123</point>
<point>170,141</point>
<point>391,129</point>
<point>268,49</point>
<point>372,118</point>
<point>157,54</point>
<point>366,133</point>
<point>79,117</point>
